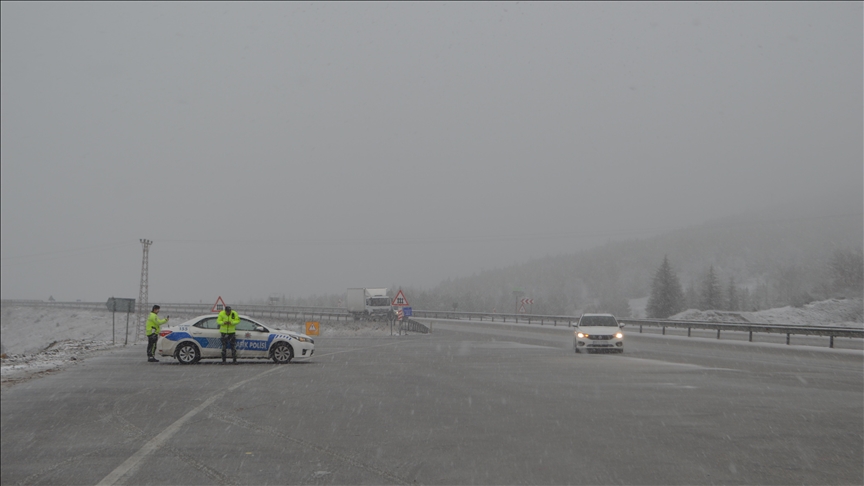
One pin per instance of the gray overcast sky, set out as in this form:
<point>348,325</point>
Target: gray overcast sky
<point>301,148</point>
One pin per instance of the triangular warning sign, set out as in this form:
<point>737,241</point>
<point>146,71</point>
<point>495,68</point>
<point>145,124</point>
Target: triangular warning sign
<point>400,300</point>
<point>312,328</point>
<point>219,305</point>
<point>522,308</point>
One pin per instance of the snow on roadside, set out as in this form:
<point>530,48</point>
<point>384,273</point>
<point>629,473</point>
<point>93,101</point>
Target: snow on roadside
<point>36,340</point>
<point>831,312</point>
<point>58,355</point>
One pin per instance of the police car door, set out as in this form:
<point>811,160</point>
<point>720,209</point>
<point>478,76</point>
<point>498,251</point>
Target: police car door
<point>206,333</point>
<point>251,342</point>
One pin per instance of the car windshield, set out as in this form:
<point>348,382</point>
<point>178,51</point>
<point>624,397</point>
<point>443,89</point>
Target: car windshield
<point>379,301</point>
<point>598,321</point>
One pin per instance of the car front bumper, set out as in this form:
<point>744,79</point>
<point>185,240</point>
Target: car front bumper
<point>583,343</point>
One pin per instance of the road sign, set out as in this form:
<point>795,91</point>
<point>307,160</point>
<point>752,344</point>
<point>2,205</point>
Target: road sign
<point>399,315</point>
<point>522,308</point>
<point>312,328</point>
<point>218,306</point>
<point>400,300</point>
<point>527,301</point>
<point>407,311</point>
<point>120,305</point>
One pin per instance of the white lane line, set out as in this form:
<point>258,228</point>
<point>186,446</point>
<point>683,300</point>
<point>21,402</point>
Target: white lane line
<point>163,437</point>
<point>154,443</point>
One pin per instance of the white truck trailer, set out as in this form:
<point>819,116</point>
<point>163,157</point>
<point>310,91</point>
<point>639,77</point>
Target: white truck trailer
<point>368,304</point>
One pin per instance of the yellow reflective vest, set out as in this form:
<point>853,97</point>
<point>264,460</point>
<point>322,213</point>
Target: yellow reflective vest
<point>153,323</point>
<point>227,323</point>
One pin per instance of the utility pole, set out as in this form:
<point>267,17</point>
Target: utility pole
<point>142,291</point>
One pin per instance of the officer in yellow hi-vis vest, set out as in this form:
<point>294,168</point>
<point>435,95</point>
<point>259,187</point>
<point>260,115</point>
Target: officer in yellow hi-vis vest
<point>228,321</point>
<point>153,326</point>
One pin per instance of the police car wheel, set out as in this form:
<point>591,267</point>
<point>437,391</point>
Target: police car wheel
<point>188,353</point>
<point>282,353</point>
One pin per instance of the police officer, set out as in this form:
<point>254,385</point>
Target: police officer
<point>153,323</point>
<point>228,321</point>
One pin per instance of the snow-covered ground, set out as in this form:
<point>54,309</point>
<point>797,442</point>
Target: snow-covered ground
<point>831,312</point>
<point>35,340</point>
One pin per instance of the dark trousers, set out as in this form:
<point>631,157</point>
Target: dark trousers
<point>151,344</point>
<point>229,339</point>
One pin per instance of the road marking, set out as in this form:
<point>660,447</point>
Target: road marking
<point>163,437</point>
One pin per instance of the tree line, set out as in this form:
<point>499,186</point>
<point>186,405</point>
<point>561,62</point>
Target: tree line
<point>844,277</point>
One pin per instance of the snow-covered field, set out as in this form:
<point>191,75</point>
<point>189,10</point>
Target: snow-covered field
<point>831,312</point>
<point>35,340</point>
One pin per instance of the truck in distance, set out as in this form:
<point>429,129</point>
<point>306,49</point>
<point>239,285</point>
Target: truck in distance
<point>368,304</point>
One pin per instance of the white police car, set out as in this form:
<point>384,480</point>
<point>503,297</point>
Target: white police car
<point>199,338</point>
<point>596,332</point>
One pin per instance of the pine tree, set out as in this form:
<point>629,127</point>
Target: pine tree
<point>691,297</point>
<point>732,303</point>
<point>666,296</point>
<point>746,301</point>
<point>846,269</point>
<point>711,298</point>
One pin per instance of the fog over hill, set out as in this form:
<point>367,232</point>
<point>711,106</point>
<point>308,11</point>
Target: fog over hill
<point>775,255</point>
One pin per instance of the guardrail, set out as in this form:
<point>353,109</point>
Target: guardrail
<point>830,331</point>
<point>272,311</point>
<point>413,326</point>
<point>336,313</point>
<point>540,319</point>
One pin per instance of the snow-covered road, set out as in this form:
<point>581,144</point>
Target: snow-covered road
<point>462,405</point>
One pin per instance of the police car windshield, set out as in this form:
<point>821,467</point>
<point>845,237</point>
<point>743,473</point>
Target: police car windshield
<point>598,321</point>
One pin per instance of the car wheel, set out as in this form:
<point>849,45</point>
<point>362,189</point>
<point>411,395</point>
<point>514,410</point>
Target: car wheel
<point>282,353</point>
<point>188,353</point>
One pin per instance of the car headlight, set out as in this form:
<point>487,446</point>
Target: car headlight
<point>619,335</point>
<point>305,339</point>
<point>580,335</point>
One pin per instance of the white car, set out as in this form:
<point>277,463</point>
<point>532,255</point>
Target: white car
<point>199,338</point>
<point>598,332</point>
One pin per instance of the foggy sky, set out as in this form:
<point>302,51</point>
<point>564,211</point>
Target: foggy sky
<point>302,148</point>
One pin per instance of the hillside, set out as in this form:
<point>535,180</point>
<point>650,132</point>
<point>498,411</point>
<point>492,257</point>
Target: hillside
<point>777,256</point>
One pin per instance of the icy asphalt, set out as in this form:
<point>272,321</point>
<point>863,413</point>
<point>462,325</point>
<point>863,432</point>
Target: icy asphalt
<point>468,404</point>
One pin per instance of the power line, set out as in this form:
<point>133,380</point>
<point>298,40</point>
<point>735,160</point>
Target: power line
<point>72,251</point>
<point>500,237</point>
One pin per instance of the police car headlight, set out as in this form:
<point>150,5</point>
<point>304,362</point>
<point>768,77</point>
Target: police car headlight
<point>305,340</point>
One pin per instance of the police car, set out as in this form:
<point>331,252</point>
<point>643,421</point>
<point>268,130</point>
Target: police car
<point>199,338</point>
